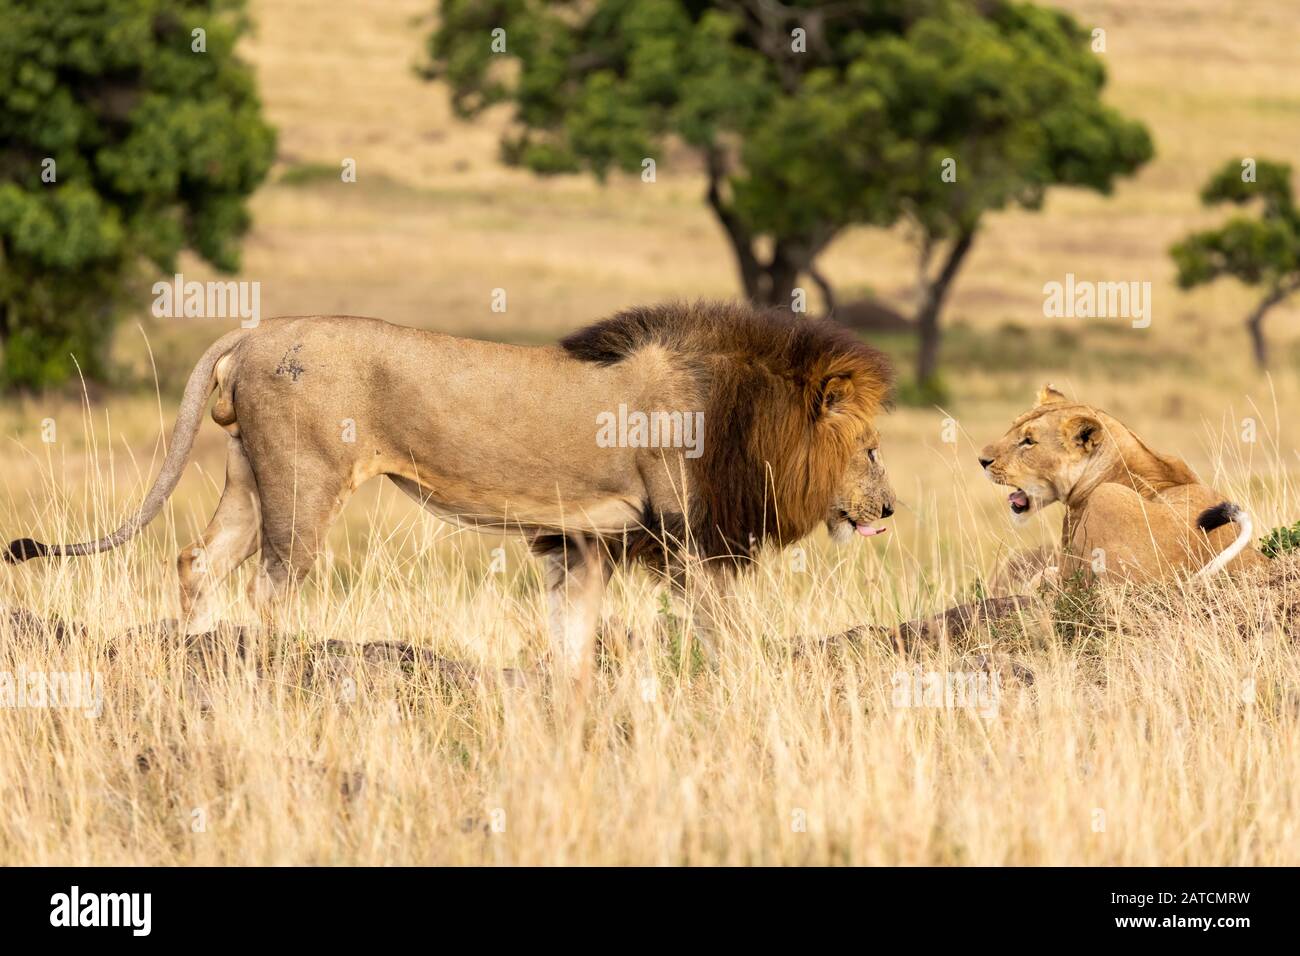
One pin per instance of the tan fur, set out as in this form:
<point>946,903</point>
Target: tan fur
<point>1131,511</point>
<point>503,438</point>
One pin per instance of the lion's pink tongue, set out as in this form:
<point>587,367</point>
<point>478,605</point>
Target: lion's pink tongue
<point>1019,499</point>
<point>867,530</point>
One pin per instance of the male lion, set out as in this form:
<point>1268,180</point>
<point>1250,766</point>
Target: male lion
<point>1128,510</point>
<point>660,434</point>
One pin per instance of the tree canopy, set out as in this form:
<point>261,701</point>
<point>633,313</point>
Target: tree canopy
<point>125,137</point>
<point>1261,251</point>
<point>808,118</point>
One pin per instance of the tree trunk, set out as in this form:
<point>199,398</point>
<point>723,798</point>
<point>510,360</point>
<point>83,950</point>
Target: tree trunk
<point>927,321</point>
<point>1255,325</point>
<point>1260,346</point>
<point>742,242</point>
<point>934,292</point>
<point>782,272</point>
<point>770,283</point>
<point>827,290</point>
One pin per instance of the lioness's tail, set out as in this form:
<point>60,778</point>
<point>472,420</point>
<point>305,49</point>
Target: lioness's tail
<point>197,389</point>
<point>1217,517</point>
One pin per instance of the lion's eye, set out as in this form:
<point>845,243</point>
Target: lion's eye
<point>871,453</point>
<point>1027,441</point>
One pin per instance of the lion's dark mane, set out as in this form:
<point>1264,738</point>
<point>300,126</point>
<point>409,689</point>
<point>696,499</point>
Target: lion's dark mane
<point>772,453</point>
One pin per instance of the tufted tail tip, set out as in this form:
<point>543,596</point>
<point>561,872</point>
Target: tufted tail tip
<point>24,549</point>
<point>1218,516</point>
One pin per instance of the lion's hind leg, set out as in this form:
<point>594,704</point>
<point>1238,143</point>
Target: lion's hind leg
<point>294,525</point>
<point>230,538</point>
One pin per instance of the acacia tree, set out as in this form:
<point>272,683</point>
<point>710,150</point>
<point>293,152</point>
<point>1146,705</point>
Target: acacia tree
<point>965,113</point>
<point>1262,252</point>
<point>128,131</point>
<point>808,118</point>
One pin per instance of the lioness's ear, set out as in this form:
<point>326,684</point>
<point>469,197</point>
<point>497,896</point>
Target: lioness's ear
<point>1082,432</point>
<point>1049,394</point>
<point>832,394</point>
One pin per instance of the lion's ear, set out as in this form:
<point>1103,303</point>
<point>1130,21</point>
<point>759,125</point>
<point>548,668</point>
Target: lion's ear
<point>832,394</point>
<point>1048,395</point>
<point>1082,432</point>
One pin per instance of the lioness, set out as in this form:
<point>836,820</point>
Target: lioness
<point>1128,510</point>
<point>660,434</point>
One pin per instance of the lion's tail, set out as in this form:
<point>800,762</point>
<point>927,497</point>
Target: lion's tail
<point>197,390</point>
<point>1216,517</point>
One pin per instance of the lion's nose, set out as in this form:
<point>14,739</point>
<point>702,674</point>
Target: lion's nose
<point>985,462</point>
<point>886,511</point>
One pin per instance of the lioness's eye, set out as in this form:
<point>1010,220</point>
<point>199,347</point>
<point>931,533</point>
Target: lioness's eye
<point>1027,441</point>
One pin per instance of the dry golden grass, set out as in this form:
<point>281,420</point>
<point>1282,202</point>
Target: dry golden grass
<point>1142,704</point>
<point>1159,726</point>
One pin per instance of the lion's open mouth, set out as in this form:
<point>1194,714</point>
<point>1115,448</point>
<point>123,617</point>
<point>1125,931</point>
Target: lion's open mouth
<point>864,528</point>
<point>1019,502</point>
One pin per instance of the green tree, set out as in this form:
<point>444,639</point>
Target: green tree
<point>808,118</point>
<point>1262,251</point>
<point>125,137</point>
